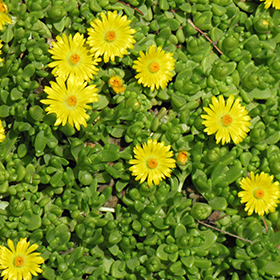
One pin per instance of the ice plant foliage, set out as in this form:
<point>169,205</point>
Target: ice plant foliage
<point>154,68</point>
<point>275,4</point>
<point>4,18</point>
<point>72,57</point>
<point>152,162</point>
<point>260,194</point>
<point>228,121</point>
<point>20,263</point>
<point>116,83</point>
<point>111,36</point>
<point>69,103</point>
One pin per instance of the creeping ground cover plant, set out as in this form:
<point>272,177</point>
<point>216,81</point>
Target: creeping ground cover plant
<point>139,139</point>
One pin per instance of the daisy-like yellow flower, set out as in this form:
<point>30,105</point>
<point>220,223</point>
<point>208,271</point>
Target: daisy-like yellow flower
<point>111,36</point>
<point>260,194</point>
<point>3,15</point>
<point>230,121</point>
<point>2,132</point>
<point>275,4</point>
<point>154,68</point>
<point>152,162</point>
<point>69,103</point>
<point>116,83</point>
<point>20,263</point>
<point>72,57</point>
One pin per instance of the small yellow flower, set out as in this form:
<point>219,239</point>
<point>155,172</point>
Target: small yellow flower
<point>116,83</point>
<point>2,132</point>
<point>230,121</point>
<point>111,36</point>
<point>260,194</point>
<point>3,15</point>
<point>20,263</point>
<point>265,22</point>
<point>69,103</point>
<point>275,4</point>
<point>152,162</point>
<point>182,157</point>
<point>154,68</point>
<point>1,45</point>
<point>72,57</point>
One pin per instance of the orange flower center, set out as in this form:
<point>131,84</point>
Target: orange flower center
<point>154,67</point>
<point>19,261</point>
<point>227,120</point>
<point>72,100</point>
<point>75,58</point>
<point>3,7</point>
<point>111,36</point>
<point>152,163</point>
<point>259,193</point>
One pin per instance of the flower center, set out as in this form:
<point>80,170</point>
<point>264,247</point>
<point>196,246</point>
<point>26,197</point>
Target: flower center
<point>111,36</point>
<point>19,261</point>
<point>75,58</point>
<point>72,100</point>
<point>154,67</point>
<point>152,163</point>
<point>227,120</point>
<point>3,7</point>
<point>259,193</point>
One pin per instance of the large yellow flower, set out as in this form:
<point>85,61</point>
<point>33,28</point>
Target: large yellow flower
<point>72,57</point>
<point>153,161</point>
<point>20,263</point>
<point>111,36</point>
<point>3,15</point>
<point>69,103</point>
<point>260,194</point>
<point>275,4</point>
<point>2,132</point>
<point>154,68</point>
<point>230,121</point>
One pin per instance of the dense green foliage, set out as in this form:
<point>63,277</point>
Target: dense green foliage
<point>53,180</point>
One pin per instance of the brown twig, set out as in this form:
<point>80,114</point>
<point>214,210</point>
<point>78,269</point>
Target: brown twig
<point>128,5</point>
<point>196,28</point>
<point>225,232</point>
<point>264,222</point>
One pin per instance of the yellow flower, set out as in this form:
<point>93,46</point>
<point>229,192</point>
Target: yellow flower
<point>1,45</point>
<point>182,157</point>
<point>230,121</point>
<point>72,57</point>
<point>3,15</point>
<point>154,68</point>
<point>20,263</point>
<point>260,194</point>
<point>153,162</point>
<point>116,83</point>
<point>69,103</point>
<point>111,36</point>
<point>2,132</point>
<point>275,4</point>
